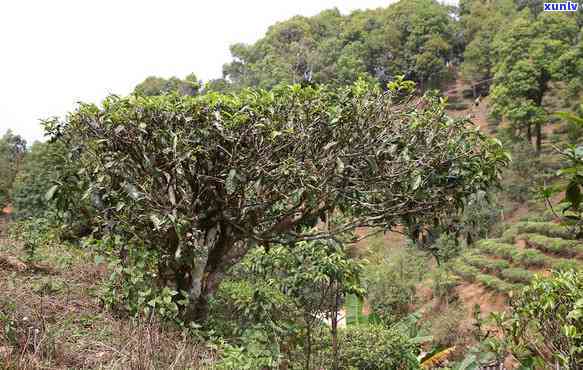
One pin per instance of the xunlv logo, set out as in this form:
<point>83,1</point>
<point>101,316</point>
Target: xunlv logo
<point>561,7</point>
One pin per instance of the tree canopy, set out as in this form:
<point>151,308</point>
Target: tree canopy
<point>413,38</point>
<point>523,59</point>
<point>200,180</point>
<point>153,85</point>
<point>12,149</point>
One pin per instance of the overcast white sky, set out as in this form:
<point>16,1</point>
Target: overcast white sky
<point>55,53</point>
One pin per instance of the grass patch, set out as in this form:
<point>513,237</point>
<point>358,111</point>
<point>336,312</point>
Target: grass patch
<point>517,275</point>
<point>50,318</point>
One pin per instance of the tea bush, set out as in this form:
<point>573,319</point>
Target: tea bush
<point>517,275</point>
<point>557,246</point>
<point>376,347</point>
<point>550,312</point>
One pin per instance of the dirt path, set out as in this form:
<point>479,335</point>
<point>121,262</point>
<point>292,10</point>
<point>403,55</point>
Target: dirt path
<point>477,114</point>
<point>472,294</point>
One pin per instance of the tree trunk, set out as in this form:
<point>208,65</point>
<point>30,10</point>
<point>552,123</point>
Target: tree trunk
<point>193,270</point>
<point>205,276</point>
<point>197,265</point>
<point>529,133</point>
<point>210,284</point>
<point>539,134</point>
<point>308,350</point>
<point>222,252</point>
<point>335,327</point>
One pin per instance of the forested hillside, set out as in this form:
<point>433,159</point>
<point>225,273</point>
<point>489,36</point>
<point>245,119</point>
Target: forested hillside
<point>396,188</point>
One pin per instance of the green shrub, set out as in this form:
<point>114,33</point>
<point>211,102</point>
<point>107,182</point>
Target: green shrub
<point>512,253</point>
<point>561,247</point>
<point>523,175</point>
<point>574,132</point>
<point>240,304</point>
<point>509,235</point>
<point>195,195</point>
<point>493,283</point>
<point>486,264</point>
<point>446,327</point>
<point>544,228</point>
<point>565,265</point>
<point>258,350</point>
<point>376,347</point>
<point>547,322</point>
<point>391,283</point>
<point>517,275</point>
<point>12,151</point>
<point>468,273</point>
<point>444,283</point>
<point>529,258</point>
<point>495,248</point>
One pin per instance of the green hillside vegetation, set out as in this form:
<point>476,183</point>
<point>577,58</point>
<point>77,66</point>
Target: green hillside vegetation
<point>505,267</point>
<point>555,246</point>
<point>548,229</point>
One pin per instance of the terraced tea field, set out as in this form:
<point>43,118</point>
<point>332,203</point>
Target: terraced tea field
<point>525,249</point>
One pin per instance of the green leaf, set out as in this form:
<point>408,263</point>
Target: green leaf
<point>354,315</point>
<point>51,192</point>
<point>416,182</point>
<point>573,195</point>
<point>570,117</point>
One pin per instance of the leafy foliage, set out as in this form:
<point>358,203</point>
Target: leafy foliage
<point>517,275</point>
<point>315,277</point>
<point>153,85</point>
<point>547,321</point>
<point>12,150</point>
<point>525,56</point>
<point>376,347</point>
<point>488,265</point>
<point>512,253</point>
<point>48,186</point>
<point>548,229</point>
<point>391,284</point>
<point>201,180</point>
<point>414,38</point>
<point>557,246</point>
<point>131,288</point>
<point>481,21</point>
<point>572,214</point>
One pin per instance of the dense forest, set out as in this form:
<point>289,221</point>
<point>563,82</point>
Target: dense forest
<point>395,188</point>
